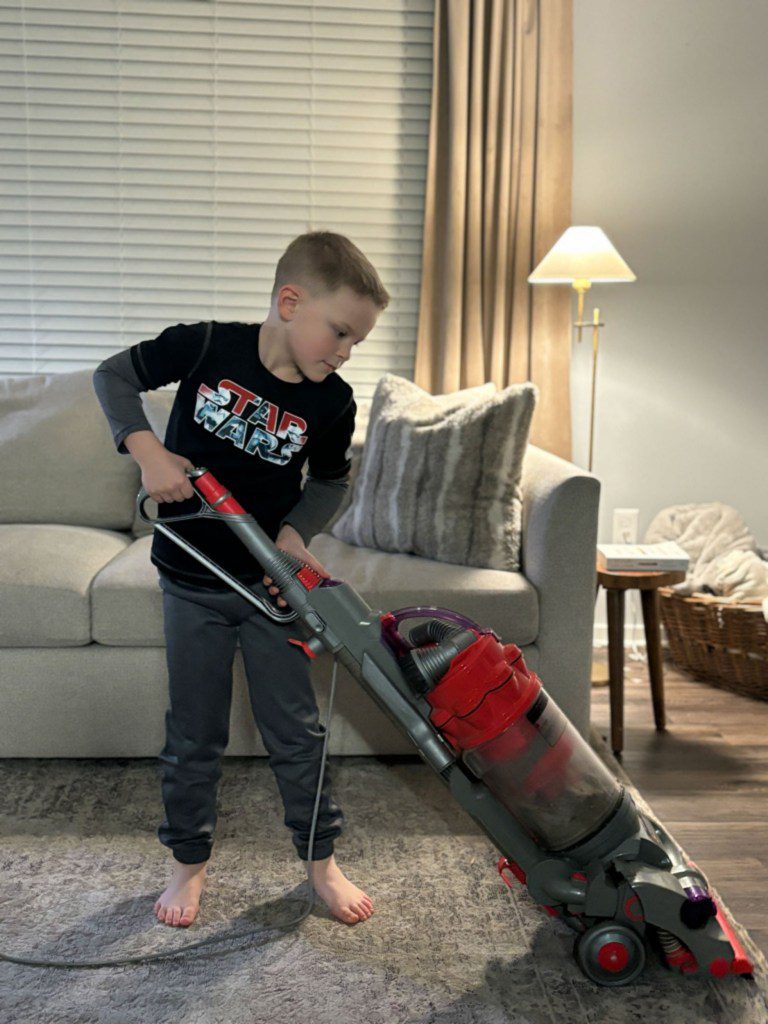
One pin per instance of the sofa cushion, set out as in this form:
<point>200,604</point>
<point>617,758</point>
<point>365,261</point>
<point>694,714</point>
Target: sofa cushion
<point>440,476</point>
<point>496,599</point>
<point>58,462</point>
<point>126,600</point>
<point>45,577</point>
<point>127,603</point>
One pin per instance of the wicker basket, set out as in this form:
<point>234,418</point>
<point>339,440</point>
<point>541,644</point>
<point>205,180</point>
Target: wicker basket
<point>726,644</point>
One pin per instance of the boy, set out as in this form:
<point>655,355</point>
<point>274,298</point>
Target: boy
<point>255,402</point>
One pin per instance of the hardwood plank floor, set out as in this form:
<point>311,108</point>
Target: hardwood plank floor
<point>706,777</point>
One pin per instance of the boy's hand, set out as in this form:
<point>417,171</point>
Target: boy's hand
<point>163,477</point>
<point>289,540</point>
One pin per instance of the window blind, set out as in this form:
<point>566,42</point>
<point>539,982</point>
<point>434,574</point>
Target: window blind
<point>159,156</point>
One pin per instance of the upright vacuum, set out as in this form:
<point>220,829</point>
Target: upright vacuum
<point>566,828</point>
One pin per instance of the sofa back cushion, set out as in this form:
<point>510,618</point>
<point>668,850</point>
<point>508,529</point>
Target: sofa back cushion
<point>58,462</point>
<point>440,474</point>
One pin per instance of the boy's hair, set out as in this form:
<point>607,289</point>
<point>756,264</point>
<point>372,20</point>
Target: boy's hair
<point>323,261</point>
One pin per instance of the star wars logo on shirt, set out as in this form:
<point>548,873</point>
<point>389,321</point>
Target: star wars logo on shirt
<point>254,425</point>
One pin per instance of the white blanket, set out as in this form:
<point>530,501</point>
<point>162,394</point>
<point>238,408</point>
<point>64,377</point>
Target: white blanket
<point>723,553</point>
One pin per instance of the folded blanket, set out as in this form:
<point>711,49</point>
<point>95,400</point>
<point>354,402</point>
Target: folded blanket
<point>723,553</point>
<point>734,576</point>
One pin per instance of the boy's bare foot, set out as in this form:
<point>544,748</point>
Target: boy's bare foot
<point>344,899</point>
<point>180,902</point>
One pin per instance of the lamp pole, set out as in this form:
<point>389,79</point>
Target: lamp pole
<point>582,285</point>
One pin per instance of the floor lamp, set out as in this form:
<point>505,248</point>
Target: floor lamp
<point>580,257</point>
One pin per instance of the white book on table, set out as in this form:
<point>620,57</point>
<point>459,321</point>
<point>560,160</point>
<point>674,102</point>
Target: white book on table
<point>667,555</point>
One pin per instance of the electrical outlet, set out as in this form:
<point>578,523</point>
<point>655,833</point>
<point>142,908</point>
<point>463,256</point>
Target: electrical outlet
<point>625,525</point>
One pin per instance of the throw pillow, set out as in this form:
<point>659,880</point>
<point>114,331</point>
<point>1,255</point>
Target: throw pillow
<point>440,474</point>
<point>393,394</point>
<point>57,460</point>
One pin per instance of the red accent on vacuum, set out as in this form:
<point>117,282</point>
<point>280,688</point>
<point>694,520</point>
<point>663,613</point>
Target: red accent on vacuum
<point>304,645</point>
<point>212,490</point>
<point>613,956</point>
<point>487,688</point>
<point>308,577</point>
<point>741,964</point>
<point>504,864</point>
<point>632,909</point>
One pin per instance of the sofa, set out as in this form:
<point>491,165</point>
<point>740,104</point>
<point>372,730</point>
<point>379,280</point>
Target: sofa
<point>82,659</point>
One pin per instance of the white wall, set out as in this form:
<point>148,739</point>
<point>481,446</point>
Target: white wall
<point>671,160</point>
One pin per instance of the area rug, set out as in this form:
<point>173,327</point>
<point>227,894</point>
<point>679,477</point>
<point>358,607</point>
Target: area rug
<point>448,943</point>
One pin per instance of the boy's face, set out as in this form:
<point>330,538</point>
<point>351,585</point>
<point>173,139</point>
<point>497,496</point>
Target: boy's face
<point>322,330</point>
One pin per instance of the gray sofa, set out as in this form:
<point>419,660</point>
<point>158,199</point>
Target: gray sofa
<point>82,659</point>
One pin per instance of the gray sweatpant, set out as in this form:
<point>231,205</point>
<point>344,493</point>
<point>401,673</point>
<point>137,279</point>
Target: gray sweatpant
<point>201,628</point>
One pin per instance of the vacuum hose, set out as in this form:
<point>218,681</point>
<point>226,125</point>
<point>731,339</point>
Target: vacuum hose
<point>423,667</point>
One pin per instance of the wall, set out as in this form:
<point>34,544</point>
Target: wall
<point>670,152</point>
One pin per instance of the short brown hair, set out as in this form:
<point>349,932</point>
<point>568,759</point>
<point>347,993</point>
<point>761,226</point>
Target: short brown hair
<point>325,261</point>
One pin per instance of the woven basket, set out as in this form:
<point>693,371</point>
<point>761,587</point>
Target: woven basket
<point>726,644</point>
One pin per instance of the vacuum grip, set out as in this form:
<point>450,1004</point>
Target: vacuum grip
<point>216,494</point>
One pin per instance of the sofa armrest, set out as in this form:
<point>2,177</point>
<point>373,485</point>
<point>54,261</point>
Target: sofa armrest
<point>559,538</point>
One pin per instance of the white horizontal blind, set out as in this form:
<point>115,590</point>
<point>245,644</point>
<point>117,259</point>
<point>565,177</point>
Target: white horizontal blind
<point>159,156</point>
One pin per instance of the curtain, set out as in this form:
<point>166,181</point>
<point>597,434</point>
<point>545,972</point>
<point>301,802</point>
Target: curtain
<point>498,195</point>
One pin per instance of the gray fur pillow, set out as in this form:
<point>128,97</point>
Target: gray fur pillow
<point>440,474</point>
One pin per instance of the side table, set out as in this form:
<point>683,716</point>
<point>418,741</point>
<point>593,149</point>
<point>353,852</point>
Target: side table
<point>615,584</point>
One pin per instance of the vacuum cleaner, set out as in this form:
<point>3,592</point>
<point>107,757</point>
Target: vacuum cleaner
<point>566,829</point>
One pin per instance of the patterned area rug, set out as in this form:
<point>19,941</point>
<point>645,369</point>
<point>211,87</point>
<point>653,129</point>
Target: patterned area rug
<point>448,941</point>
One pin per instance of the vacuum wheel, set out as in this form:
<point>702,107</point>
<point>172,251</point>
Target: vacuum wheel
<point>610,954</point>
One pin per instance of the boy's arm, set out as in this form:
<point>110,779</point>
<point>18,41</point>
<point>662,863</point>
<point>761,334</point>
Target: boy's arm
<point>327,478</point>
<point>119,380</point>
<point>319,501</point>
<point>118,389</point>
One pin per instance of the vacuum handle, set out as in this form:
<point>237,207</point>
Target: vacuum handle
<point>218,503</point>
<point>216,495</point>
<point>224,505</point>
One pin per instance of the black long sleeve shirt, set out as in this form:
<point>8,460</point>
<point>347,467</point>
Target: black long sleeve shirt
<point>251,429</point>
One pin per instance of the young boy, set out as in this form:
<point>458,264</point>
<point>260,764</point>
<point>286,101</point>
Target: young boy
<point>254,403</point>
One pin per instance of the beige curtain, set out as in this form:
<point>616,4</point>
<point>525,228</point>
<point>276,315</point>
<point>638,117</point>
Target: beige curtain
<point>498,196</point>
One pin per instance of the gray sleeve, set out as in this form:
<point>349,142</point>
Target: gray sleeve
<point>118,390</point>
<point>319,501</point>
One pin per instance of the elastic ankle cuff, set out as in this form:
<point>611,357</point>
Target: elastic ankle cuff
<point>191,858</point>
<point>319,853</point>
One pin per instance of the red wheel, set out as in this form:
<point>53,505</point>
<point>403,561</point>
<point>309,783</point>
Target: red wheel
<point>610,954</point>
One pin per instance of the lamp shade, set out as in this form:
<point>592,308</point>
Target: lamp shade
<point>581,253</point>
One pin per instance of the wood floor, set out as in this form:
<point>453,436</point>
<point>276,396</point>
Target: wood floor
<point>706,778</point>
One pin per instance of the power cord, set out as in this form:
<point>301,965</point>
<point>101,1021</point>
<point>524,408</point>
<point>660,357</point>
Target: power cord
<point>78,964</point>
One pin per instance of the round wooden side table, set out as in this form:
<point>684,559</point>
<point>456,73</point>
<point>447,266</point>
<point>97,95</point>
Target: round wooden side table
<point>616,583</point>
